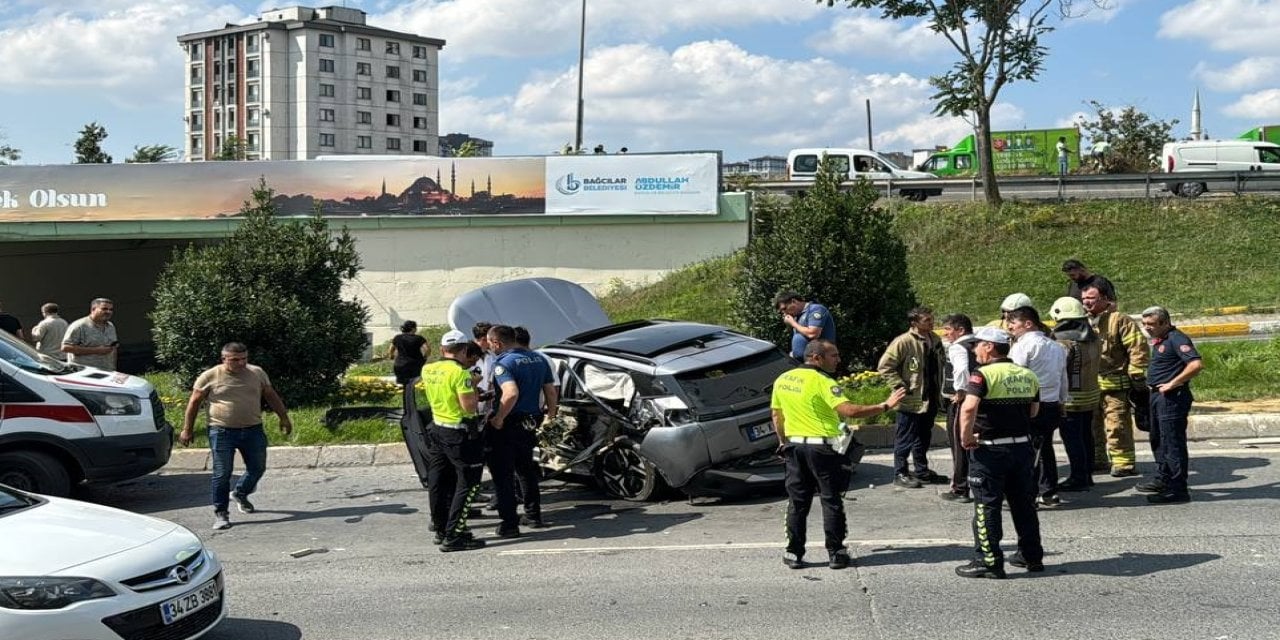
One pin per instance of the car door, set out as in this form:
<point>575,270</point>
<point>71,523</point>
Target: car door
<point>1265,170</point>
<point>871,168</point>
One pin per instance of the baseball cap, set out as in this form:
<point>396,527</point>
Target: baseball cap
<point>453,337</point>
<point>991,334</point>
<point>1016,301</point>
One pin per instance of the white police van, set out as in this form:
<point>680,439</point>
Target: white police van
<point>62,424</point>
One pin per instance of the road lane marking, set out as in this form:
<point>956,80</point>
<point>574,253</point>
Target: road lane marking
<point>890,543</point>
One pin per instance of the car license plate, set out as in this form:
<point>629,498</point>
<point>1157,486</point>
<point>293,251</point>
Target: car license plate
<point>190,602</point>
<point>759,431</point>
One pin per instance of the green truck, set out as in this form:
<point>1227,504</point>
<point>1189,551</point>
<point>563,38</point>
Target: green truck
<point>1025,152</point>
<point>1265,133</point>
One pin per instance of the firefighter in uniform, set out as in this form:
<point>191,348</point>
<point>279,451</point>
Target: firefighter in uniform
<point>1122,365</point>
<point>1174,362</point>
<point>1073,332</point>
<point>808,408</point>
<point>456,456</point>
<point>1000,400</point>
<point>526,395</point>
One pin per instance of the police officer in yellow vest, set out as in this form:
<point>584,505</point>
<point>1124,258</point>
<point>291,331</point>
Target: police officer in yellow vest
<point>808,412</point>
<point>1000,400</point>
<point>456,456</point>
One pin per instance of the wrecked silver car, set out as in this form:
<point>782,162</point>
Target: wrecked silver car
<point>645,405</point>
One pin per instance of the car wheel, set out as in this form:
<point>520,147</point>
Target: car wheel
<point>35,472</point>
<point>914,196</point>
<point>623,473</point>
<point>1191,189</point>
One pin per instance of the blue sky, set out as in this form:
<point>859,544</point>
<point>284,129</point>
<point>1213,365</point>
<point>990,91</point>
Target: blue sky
<point>749,77</point>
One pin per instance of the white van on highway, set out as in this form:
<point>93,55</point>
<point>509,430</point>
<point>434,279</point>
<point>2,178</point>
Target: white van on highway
<point>61,423</point>
<point>1222,155</point>
<point>802,164</point>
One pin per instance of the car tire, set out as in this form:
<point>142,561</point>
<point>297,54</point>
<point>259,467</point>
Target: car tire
<point>624,473</point>
<point>914,196</point>
<point>35,472</point>
<point>1191,189</point>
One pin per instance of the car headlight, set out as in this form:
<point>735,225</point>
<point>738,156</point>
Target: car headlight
<point>664,411</point>
<point>49,592</point>
<point>101,403</point>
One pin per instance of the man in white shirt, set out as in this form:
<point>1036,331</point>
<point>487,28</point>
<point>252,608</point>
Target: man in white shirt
<point>1048,360</point>
<point>49,332</point>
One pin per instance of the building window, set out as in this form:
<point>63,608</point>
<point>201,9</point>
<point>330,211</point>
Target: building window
<point>197,120</point>
<point>364,93</point>
<point>393,95</point>
<point>364,69</point>
<point>326,90</point>
<point>251,141</point>
<point>254,117</point>
<point>326,139</point>
<point>231,69</point>
<point>419,123</point>
<point>251,43</point>
<point>419,146</point>
<point>197,51</point>
<point>326,65</point>
<point>419,75</point>
<point>393,71</point>
<point>364,44</point>
<point>326,40</point>
<point>393,120</point>
<point>231,93</point>
<point>197,98</point>
<point>326,115</point>
<point>420,99</point>
<point>231,117</point>
<point>393,48</point>
<point>197,72</point>
<point>197,144</point>
<point>217,95</point>
<point>364,117</point>
<point>253,92</point>
<point>252,68</point>
<point>364,142</point>
<point>419,52</point>
<point>393,144</point>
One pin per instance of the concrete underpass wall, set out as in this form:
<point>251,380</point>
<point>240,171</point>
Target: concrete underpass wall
<point>413,273</point>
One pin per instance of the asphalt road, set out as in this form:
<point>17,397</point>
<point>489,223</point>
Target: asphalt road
<point>1117,567</point>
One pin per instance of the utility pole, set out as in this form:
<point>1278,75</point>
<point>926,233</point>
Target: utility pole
<point>870,145</point>
<point>582,47</point>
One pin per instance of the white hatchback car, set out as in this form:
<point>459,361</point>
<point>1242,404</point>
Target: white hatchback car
<point>71,569</point>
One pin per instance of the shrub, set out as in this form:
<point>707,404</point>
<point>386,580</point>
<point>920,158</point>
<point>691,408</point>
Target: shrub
<point>275,286</point>
<point>835,247</point>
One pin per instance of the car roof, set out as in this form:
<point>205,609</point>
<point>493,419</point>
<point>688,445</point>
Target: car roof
<point>550,308</point>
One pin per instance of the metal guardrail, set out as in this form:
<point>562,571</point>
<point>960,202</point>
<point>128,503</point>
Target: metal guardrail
<point>1146,185</point>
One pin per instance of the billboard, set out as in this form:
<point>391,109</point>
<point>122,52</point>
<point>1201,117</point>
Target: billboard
<point>428,186</point>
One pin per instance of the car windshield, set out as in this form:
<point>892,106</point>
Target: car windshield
<point>13,501</point>
<point>26,358</point>
<point>734,382</point>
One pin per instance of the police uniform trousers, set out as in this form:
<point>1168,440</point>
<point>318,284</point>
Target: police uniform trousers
<point>1169,432</point>
<point>815,468</point>
<point>999,472</point>
<point>455,463</point>
<point>1077,439</point>
<point>959,455</point>
<point>511,456</point>
<point>913,432</point>
<point>1113,431</point>
<point>1047,421</point>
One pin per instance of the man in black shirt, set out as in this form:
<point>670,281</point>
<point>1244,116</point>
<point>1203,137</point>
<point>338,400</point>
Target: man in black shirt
<point>10,324</point>
<point>1174,362</point>
<point>1081,278</point>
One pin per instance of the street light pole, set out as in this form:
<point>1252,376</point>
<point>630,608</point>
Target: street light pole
<point>582,46</point>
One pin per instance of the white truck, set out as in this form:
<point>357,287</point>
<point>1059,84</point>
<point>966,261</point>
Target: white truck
<point>802,164</point>
<point>1259,160</point>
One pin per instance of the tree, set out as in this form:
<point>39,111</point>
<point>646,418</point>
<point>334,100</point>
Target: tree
<point>998,42</point>
<point>233,148</point>
<point>8,154</point>
<point>153,153</point>
<point>89,145</point>
<point>275,286</point>
<point>838,248</point>
<point>1135,137</point>
<point>468,149</point>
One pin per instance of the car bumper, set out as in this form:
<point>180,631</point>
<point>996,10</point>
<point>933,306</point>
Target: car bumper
<point>113,458</point>
<point>763,477</point>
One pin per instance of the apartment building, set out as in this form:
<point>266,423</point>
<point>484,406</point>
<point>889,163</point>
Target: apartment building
<point>302,82</point>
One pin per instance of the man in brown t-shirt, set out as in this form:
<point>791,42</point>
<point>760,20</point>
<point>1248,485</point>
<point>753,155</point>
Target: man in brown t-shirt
<point>235,391</point>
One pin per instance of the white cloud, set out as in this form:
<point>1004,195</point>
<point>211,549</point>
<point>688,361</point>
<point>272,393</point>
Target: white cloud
<point>864,32</point>
<point>1249,73</point>
<point>1248,26</point>
<point>129,50</point>
<point>710,94</point>
<point>511,28</point>
<point>1256,106</point>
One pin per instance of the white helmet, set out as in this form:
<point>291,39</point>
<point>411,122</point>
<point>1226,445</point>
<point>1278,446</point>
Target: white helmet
<point>1067,308</point>
<point>1016,301</point>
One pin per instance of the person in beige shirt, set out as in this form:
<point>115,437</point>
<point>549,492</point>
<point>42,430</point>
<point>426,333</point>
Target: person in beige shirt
<point>234,391</point>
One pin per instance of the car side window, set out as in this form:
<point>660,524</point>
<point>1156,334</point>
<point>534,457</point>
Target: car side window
<point>1267,154</point>
<point>13,391</point>
<point>962,162</point>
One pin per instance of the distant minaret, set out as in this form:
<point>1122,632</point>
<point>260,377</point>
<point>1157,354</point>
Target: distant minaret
<point>1195,117</point>
<point>453,177</point>
<point>473,188</point>
<point>384,186</point>
<point>488,185</point>
<point>438,184</point>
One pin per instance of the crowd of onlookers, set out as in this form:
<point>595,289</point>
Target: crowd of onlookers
<point>90,341</point>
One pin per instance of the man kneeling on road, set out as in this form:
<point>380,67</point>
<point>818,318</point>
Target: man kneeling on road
<point>808,409</point>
